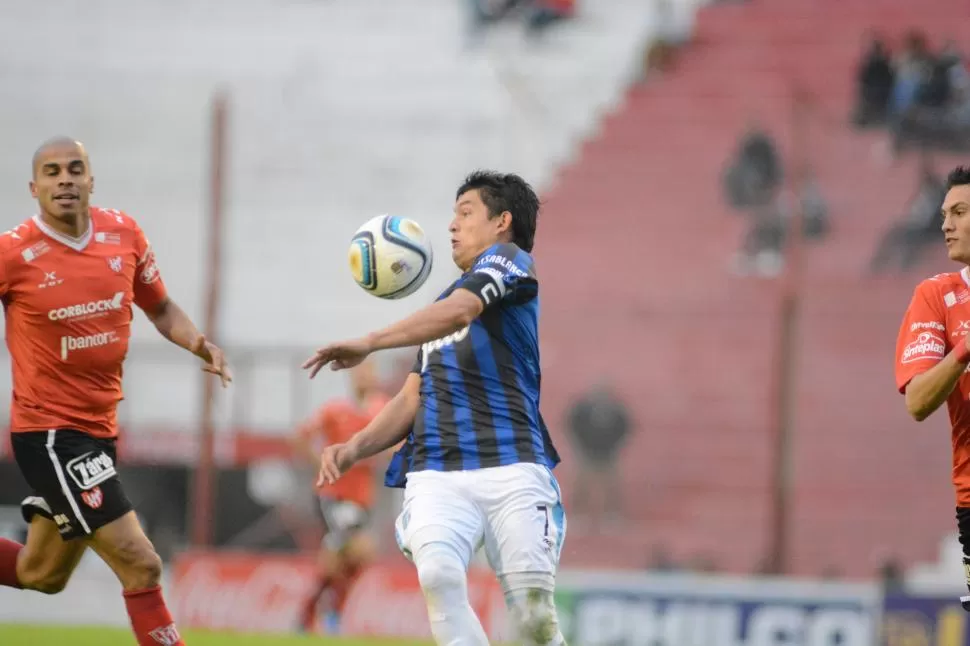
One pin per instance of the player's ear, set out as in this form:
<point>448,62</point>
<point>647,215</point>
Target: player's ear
<point>33,189</point>
<point>505,222</point>
<point>91,185</point>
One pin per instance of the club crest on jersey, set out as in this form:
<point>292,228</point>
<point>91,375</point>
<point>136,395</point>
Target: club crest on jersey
<point>116,263</point>
<point>91,469</point>
<point>93,498</point>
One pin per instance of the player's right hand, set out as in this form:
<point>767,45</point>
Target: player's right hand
<point>335,460</point>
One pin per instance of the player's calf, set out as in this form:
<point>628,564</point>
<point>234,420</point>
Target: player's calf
<point>123,546</point>
<point>529,597</point>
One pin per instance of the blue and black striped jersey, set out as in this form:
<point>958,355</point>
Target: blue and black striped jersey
<point>480,385</point>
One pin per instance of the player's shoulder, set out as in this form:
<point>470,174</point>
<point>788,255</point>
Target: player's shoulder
<point>941,284</point>
<point>112,220</point>
<point>509,255</point>
<point>22,234</point>
<point>335,407</point>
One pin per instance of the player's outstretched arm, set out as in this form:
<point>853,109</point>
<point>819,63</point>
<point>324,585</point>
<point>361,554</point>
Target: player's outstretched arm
<point>174,324</point>
<point>388,428</point>
<point>927,391</point>
<point>435,321</point>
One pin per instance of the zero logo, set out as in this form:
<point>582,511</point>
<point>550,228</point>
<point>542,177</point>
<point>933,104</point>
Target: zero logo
<point>91,469</point>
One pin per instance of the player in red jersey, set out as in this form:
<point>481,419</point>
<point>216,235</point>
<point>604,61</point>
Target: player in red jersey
<point>68,279</point>
<point>346,504</point>
<point>933,349</point>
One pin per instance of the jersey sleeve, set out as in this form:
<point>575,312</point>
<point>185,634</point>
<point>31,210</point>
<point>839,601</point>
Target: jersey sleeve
<point>504,273</point>
<point>149,287</point>
<point>921,343</point>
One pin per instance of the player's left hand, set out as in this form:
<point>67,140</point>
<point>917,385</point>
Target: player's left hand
<point>340,356</point>
<point>215,360</point>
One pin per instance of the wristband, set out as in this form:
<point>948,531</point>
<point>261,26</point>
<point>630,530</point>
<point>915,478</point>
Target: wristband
<point>962,352</point>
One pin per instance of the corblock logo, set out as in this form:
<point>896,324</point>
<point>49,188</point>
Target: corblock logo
<point>87,310</point>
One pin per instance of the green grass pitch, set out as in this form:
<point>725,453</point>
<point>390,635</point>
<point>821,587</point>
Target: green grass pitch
<point>18,635</point>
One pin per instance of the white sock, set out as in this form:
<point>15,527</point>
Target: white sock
<point>530,601</point>
<point>444,582</point>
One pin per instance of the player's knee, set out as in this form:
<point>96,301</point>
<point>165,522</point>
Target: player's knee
<point>440,570</point>
<point>139,567</point>
<point>43,581</point>
<point>534,614</point>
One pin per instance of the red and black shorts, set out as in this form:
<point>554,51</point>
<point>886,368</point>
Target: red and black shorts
<point>74,479</point>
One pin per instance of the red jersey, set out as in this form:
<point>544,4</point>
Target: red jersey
<point>335,423</point>
<point>67,303</point>
<point>937,319</point>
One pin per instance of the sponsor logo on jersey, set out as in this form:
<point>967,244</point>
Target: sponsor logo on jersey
<point>116,263</point>
<point>36,251</point>
<point>50,280</point>
<point>926,346</point>
<point>91,469</point>
<point>87,310</point>
<point>149,268</point>
<point>927,325</point>
<point>432,346</point>
<point>107,238</point>
<point>71,344</point>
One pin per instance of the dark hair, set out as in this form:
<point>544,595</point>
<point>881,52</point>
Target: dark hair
<point>507,192</point>
<point>959,176</point>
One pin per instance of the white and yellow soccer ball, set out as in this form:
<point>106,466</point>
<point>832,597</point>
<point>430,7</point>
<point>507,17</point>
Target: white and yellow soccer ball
<point>390,256</point>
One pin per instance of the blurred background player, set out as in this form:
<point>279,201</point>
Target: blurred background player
<point>346,505</point>
<point>68,277</point>
<point>933,349</point>
<point>476,468</point>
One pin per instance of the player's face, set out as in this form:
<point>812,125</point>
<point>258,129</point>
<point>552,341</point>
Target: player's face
<point>62,182</point>
<point>472,231</point>
<point>364,380</point>
<point>956,223</point>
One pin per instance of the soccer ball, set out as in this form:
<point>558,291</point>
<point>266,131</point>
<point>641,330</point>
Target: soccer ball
<point>390,256</point>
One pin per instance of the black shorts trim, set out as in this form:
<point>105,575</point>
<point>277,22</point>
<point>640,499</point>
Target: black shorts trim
<point>75,475</point>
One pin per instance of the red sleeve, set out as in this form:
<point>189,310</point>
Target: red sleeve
<point>922,336</point>
<point>149,287</point>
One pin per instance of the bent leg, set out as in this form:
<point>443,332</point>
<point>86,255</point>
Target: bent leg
<point>46,562</point>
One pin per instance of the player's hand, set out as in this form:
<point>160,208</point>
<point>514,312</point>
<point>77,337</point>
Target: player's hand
<point>215,360</point>
<point>335,460</point>
<point>340,356</point>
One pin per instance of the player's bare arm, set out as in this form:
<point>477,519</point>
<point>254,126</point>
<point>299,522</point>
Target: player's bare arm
<point>174,324</point>
<point>435,321</point>
<point>927,391</point>
<point>388,428</point>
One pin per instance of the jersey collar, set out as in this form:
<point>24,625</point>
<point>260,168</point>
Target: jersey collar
<point>77,244</point>
<point>965,275</point>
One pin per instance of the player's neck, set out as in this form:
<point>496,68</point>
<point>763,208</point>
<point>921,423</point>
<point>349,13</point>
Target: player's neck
<point>76,229</point>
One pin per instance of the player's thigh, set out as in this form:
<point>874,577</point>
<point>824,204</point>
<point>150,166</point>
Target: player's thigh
<point>47,561</point>
<point>438,509</point>
<point>525,524</point>
<point>75,475</point>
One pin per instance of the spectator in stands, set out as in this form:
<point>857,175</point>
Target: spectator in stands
<point>874,85</point>
<point>903,242</point>
<point>598,425</point>
<point>754,177</point>
<point>913,68</point>
<point>940,114</point>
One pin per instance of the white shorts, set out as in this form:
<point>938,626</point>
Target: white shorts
<point>515,511</point>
